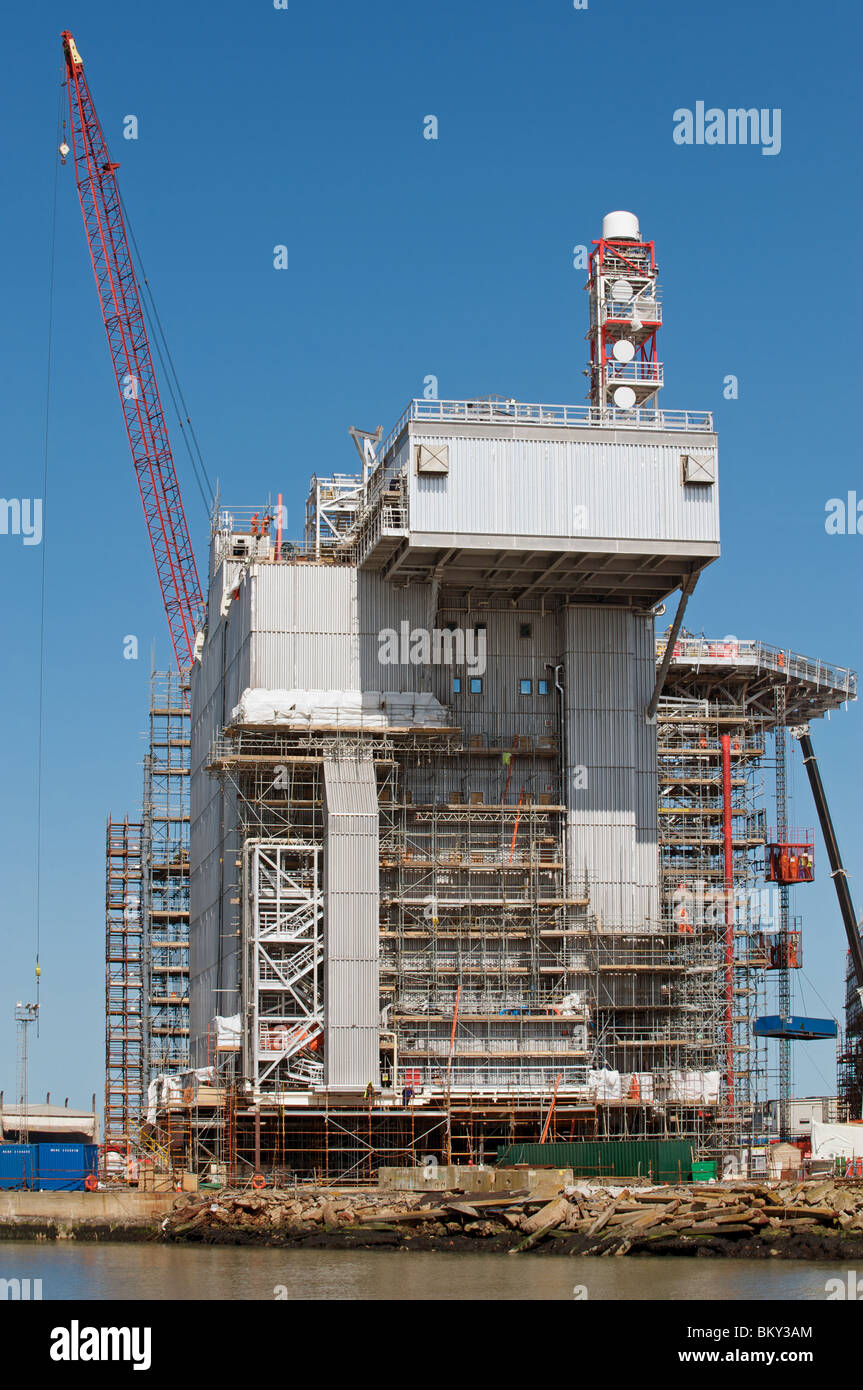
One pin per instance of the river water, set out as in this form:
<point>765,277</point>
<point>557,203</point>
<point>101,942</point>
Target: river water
<point>168,1272</point>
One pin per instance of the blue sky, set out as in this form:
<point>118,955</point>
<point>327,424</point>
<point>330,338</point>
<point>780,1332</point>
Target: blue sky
<point>407,257</point>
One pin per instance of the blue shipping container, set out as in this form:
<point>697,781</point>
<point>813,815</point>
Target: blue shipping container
<point>64,1167</point>
<point>16,1166</point>
<point>809,1029</point>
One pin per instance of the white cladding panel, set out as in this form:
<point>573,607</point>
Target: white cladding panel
<point>351,930</point>
<point>611,775</point>
<point>566,487</point>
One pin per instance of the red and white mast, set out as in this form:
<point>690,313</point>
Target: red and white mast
<point>625,316</point>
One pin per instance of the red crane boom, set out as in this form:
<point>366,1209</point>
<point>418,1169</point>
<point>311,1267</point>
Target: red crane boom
<point>133,364</point>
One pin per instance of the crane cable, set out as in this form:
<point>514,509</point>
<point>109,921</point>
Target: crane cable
<point>157,333</point>
<point>40,739</point>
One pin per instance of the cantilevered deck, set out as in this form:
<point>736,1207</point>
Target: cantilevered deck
<point>717,668</point>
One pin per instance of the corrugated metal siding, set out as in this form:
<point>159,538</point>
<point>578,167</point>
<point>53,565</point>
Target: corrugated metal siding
<point>217,682</point>
<point>304,598</point>
<point>382,606</point>
<point>17,1167</point>
<point>351,937</point>
<point>522,487</point>
<point>612,837</point>
<point>305,629</point>
<point>663,1160</point>
<point>289,661</point>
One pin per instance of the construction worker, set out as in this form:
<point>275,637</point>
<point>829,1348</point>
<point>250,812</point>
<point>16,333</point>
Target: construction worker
<point>369,1093</point>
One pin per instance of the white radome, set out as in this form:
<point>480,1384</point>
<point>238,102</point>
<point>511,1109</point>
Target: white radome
<point>620,226</point>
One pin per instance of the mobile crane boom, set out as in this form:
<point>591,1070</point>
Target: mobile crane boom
<point>122,311</point>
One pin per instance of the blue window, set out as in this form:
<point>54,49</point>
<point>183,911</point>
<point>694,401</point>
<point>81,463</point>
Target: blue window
<point>542,687</point>
<point>525,688</point>
<point>456,685</point>
<point>476,685</point>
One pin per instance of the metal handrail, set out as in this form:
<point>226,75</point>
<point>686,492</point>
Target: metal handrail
<point>647,310</point>
<point>634,371</point>
<point>558,416</point>
<point>748,652</point>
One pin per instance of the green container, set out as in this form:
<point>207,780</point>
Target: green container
<point>703,1170</point>
<point>660,1160</point>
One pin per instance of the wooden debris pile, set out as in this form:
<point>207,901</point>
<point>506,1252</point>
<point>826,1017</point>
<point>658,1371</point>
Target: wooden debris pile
<point>639,1216</point>
<point>589,1219</point>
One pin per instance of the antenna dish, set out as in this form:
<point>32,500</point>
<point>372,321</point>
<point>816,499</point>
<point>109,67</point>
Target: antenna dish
<point>624,397</point>
<point>622,291</point>
<point>620,226</point>
<point>623,350</point>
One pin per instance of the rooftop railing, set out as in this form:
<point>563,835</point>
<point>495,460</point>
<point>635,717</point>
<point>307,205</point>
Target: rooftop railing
<point>559,416</point>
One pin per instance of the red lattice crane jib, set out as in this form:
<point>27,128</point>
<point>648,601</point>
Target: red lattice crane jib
<point>133,364</point>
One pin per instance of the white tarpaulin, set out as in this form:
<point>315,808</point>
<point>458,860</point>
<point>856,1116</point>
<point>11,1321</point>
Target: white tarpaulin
<point>637,1085</point>
<point>228,1034</point>
<point>161,1091</point>
<point>698,1086</point>
<point>604,1085</point>
<point>837,1141</point>
<point>341,709</point>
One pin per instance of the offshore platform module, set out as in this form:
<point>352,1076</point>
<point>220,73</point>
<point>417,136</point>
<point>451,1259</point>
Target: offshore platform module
<point>435,889</point>
<point>432,897</point>
<point>454,887</point>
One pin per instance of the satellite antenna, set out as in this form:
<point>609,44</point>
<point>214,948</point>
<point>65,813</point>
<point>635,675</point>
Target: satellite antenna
<point>622,291</point>
<point>624,397</point>
<point>623,350</point>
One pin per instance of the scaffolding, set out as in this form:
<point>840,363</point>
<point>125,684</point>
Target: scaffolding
<point>851,1051</point>
<point>125,1082</point>
<point>147,922</point>
<point>474,908</point>
<point>165,855</point>
<point>712,836</point>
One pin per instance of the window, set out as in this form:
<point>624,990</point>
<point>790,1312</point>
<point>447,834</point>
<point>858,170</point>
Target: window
<point>525,688</point>
<point>456,685</point>
<point>542,687</point>
<point>476,685</point>
<point>525,630</point>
